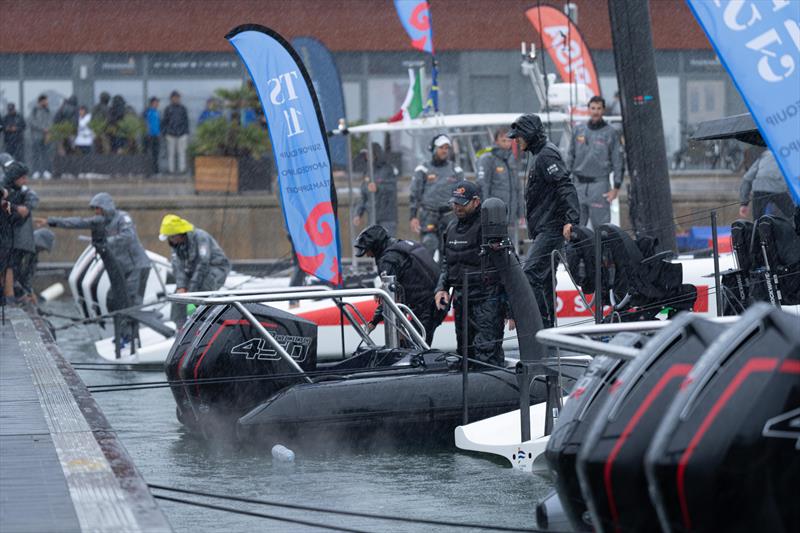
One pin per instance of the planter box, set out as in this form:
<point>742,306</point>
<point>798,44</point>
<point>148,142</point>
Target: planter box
<point>111,164</point>
<point>229,174</point>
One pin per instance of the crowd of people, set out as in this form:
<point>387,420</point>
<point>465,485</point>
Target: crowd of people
<point>105,128</point>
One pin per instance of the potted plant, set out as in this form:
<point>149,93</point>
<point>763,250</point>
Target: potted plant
<point>232,154</point>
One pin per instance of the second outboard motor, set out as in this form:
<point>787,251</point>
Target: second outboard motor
<point>222,344</point>
<point>610,463</point>
<point>780,247</point>
<point>584,401</point>
<point>726,456</point>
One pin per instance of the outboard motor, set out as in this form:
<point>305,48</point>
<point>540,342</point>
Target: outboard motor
<point>610,462</point>
<point>220,343</point>
<point>779,246</point>
<point>585,400</point>
<point>726,456</point>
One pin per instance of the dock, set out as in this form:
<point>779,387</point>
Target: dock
<point>62,466</point>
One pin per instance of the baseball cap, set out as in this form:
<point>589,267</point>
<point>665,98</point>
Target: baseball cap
<point>441,140</point>
<point>464,192</point>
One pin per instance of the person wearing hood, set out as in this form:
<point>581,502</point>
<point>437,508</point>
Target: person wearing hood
<point>551,208</point>
<point>198,262</point>
<point>121,239</point>
<point>415,272</point>
<point>44,240</point>
<point>486,308</point>
<point>381,188</point>
<point>431,186</point>
<point>498,177</point>
<point>766,182</point>
<point>595,151</point>
<point>22,202</point>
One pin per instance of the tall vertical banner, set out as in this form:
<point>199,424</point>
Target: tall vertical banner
<point>565,45</point>
<point>759,44</point>
<point>321,66</point>
<point>300,147</point>
<point>415,15</point>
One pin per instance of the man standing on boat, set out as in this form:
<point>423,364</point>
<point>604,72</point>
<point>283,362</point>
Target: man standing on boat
<point>414,270</point>
<point>551,207</point>
<point>595,151</point>
<point>486,307</point>
<point>431,186</point>
<point>198,262</point>
<point>498,177</point>
<point>380,188</point>
<point>121,239</point>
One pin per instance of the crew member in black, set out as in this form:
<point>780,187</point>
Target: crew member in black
<point>415,274</point>
<point>551,208</point>
<point>462,242</point>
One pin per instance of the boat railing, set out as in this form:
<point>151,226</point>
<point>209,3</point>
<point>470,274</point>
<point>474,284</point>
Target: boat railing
<point>239,298</point>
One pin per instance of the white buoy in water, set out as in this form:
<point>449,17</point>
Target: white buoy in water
<point>52,292</point>
<point>282,453</point>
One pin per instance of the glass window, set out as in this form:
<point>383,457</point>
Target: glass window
<point>56,90</point>
<point>352,100</point>
<point>131,90</point>
<point>194,93</point>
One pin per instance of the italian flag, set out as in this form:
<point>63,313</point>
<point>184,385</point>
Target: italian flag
<point>412,105</point>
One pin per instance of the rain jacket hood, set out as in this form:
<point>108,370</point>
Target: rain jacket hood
<point>104,201</point>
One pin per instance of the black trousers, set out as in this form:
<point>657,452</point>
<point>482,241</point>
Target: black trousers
<point>781,200</point>
<point>485,332</point>
<point>538,271</point>
<point>152,147</point>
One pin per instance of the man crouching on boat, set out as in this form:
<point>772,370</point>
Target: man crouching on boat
<point>486,309</point>
<point>415,274</point>
<point>198,262</point>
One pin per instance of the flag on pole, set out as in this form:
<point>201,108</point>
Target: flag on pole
<point>412,104</point>
<point>300,147</point>
<point>415,16</point>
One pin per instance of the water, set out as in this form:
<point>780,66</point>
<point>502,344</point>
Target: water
<point>441,484</point>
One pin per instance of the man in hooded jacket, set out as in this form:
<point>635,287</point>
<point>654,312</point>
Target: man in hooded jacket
<point>121,239</point>
<point>551,208</point>
<point>198,262</point>
<point>380,188</point>
<point>22,202</point>
<point>414,270</point>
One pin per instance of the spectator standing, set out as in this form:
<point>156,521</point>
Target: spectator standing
<point>176,130</point>
<point>765,180</point>
<point>13,133</point>
<point>100,110</point>
<point>85,136</point>
<point>210,112</point>
<point>380,188</point>
<point>115,115</point>
<point>152,140</point>
<point>41,120</point>
<point>595,151</point>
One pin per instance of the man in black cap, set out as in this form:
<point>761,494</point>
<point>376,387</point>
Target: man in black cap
<point>551,208</point>
<point>486,309</point>
<point>415,274</point>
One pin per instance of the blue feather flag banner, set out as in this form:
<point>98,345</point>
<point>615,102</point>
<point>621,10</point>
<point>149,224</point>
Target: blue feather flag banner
<point>415,15</point>
<point>300,147</point>
<point>759,44</point>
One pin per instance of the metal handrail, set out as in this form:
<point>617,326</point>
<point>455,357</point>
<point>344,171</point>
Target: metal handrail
<point>553,273</point>
<point>321,294</point>
<point>409,312</point>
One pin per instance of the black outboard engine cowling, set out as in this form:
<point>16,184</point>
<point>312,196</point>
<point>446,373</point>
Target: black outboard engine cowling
<point>726,456</point>
<point>778,243</point>
<point>223,344</point>
<point>610,463</point>
<point>585,399</point>
<point>580,258</point>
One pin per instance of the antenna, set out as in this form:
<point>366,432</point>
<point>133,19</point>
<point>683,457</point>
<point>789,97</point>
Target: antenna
<point>531,69</point>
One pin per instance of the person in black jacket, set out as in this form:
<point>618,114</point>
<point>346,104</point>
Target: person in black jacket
<point>175,126</point>
<point>486,309</point>
<point>551,208</point>
<point>415,274</point>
